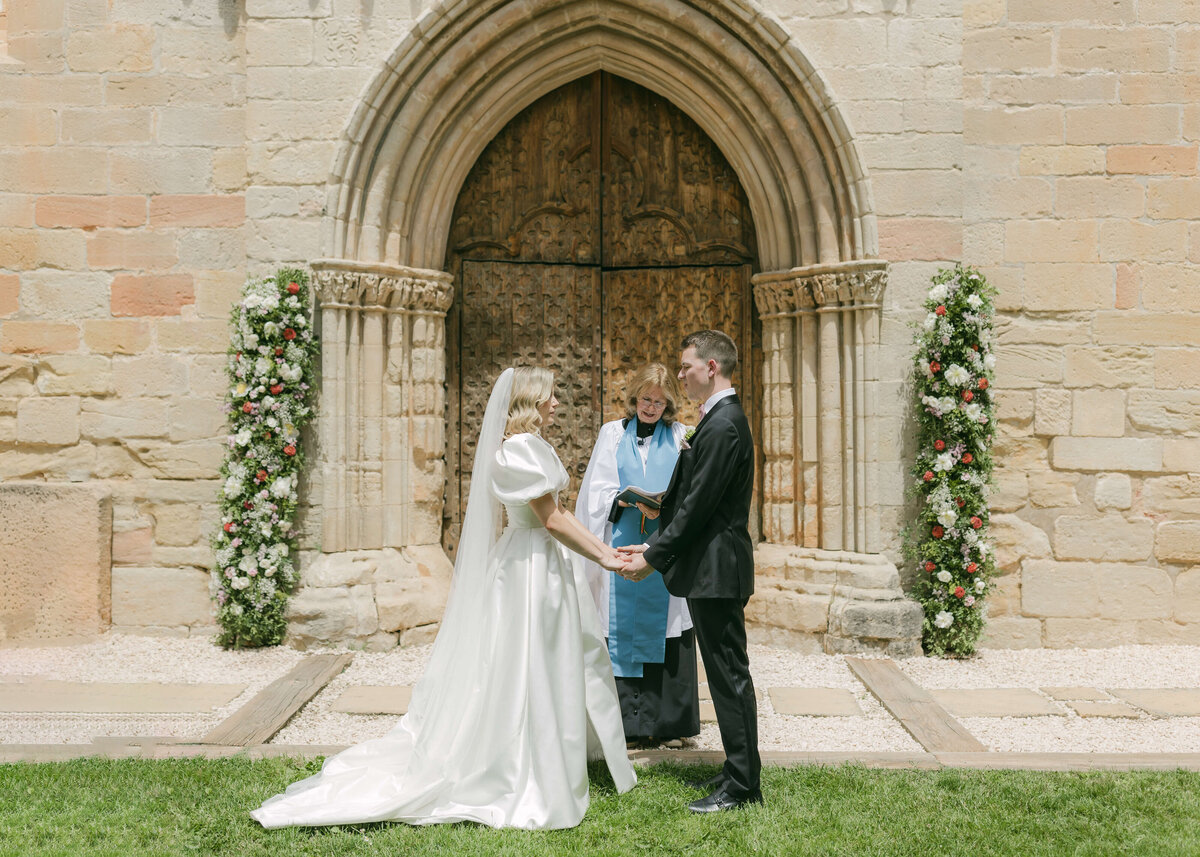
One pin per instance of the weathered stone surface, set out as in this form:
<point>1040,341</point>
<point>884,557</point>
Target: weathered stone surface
<point>74,374</point>
<point>177,524</point>
<point>1012,632</point>
<point>75,697</point>
<point>1089,709</point>
<point>1065,633</point>
<point>160,597</point>
<point>1051,489</point>
<point>1077,693</point>
<point>48,420</point>
<point>814,701</point>
<point>1134,592</point>
<point>1162,702</point>
<point>55,561</point>
<point>878,619</point>
<point>995,702</point>
<point>1016,539</point>
<point>1107,538</point>
<point>1174,494</point>
<point>1166,411</point>
<point>372,699</point>
<point>326,614</point>
<point>1178,541</point>
<point>1187,596</point>
<point>1065,589</point>
<point>1113,491</point>
<point>1137,454</point>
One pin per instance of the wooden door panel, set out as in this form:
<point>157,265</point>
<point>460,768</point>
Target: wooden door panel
<point>527,315</point>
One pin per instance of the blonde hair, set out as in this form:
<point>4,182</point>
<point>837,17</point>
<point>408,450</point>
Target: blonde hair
<point>531,386</point>
<point>653,375</point>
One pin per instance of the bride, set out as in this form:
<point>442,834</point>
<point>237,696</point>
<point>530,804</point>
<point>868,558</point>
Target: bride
<point>518,692</point>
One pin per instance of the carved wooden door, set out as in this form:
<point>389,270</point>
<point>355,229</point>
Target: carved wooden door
<point>599,227</point>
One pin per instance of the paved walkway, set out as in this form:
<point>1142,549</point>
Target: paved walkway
<point>940,723</point>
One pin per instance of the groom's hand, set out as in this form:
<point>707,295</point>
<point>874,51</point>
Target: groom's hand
<point>636,568</point>
<point>630,550</point>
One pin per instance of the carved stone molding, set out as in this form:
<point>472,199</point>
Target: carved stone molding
<point>846,285</point>
<point>377,286</point>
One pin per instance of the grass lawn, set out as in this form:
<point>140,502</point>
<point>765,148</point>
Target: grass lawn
<point>196,806</point>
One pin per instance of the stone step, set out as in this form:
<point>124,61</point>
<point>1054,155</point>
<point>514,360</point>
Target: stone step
<point>996,702</point>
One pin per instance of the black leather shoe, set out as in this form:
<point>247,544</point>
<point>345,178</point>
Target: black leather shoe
<point>722,799</point>
<point>711,783</point>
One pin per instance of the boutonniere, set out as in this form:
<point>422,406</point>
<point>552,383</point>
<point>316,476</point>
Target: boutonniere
<point>687,436</point>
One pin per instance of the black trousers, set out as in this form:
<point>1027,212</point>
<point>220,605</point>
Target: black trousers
<point>720,625</point>
<point>665,701</point>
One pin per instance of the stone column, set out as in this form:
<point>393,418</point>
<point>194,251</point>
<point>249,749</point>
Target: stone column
<point>820,575</point>
<point>380,573</point>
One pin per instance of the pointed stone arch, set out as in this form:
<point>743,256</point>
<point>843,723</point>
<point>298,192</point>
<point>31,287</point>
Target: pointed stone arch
<point>464,71</point>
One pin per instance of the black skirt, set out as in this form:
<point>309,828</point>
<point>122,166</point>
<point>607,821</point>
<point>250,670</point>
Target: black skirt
<point>665,702</point>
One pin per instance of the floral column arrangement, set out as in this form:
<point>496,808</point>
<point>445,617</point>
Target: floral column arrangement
<point>952,377</point>
<point>270,368</point>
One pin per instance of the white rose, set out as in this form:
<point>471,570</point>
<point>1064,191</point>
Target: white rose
<point>290,373</point>
<point>270,328</point>
<point>943,462</point>
<point>974,301</point>
<point>242,438</point>
<point>980,585</point>
<point>947,519</point>
<point>281,487</point>
<point>240,582</point>
<point>989,362</point>
<point>938,293</point>
<point>973,411</point>
<point>957,375</point>
<point>232,486</point>
<point>250,341</point>
<point>943,619</point>
<point>943,576</point>
<point>262,366</point>
<point>248,564</point>
<point>930,321</point>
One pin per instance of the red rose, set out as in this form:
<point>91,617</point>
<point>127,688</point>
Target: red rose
<point>928,476</point>
<point>938,532</point>
<point>239,355</point>
<point>288,333</point>
<point>967,458</point>
<point>929,565</point>
<point>941,310</point>
<point>260,476</point>
<point>972,568</point>
<point>968,395</point>
<point>276,390</point>
<point>267,435</point>
<point>959,592</point>
<point>939,445</point>
<point>935,366</point>
<point>278,352</point>
<point>974,347</point>
<point>229,528</point>
<point>976,523</point>
<point>983,383</point>
<point>289,450</point>
<point>961,502</point>
<point>293,288</point>
<point>248,408</point>
<point>247,505</point>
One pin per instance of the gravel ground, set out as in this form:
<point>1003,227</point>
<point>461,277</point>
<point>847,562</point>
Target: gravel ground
<point>127,658</point>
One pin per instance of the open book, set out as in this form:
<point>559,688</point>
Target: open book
<point>632,496</point>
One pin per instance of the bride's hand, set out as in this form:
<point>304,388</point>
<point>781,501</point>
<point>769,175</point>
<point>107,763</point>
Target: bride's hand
<point>612,561</point>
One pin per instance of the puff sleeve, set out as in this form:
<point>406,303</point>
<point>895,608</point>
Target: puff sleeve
<point>526,468</point>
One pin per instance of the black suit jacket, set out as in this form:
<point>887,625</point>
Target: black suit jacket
<point>702,547</point>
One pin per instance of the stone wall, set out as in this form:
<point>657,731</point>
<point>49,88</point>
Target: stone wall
<point>156,151</point>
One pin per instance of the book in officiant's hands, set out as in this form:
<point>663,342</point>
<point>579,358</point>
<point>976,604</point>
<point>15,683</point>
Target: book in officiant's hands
<point>633,496</point>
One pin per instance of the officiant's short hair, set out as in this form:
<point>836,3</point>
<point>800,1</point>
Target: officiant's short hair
<point>653,375</point>
<point>713,345</point>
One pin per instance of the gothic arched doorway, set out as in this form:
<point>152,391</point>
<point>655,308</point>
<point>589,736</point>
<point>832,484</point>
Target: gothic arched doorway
<point>599,226</point>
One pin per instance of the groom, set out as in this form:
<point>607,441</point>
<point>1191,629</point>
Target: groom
<point>704,552</point>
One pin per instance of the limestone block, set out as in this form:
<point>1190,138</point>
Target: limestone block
<point>107,126</point>
<point>1038,124</point>
<point>1029,366</point>
<point>1156,632</point>
<point>1011,492</point>
<point>166,170</point>
<point>1061,160</point>
<point>1016,539</point>
<point>892,620</point>
<point>1061,589</point>
<point>1165,411</point>
<point>177,524</point>
<point>141,250</point>
<point>1054,89</point>
<point>133,547</point>
<point>1052,411</point>
<point>408,604</point>
<point>1132,241</point>
<point>74,374</point>
<point>1143,160</point>
<point>29,249</point>
<point>1113,491</point>
<point>116,337</point>
<point>160,597</point>
<point>192,336</point>
<point>1138,328</point>
<point>1176,367</point>
<point>49,420</point>
<point>158,294</point>
<point>84,212</point>
<point>1129,454</point>
<point>279,43</point>
<point>152,376</point>
<point>54,561</point>
<point>206,377</point>
<point>1012,632</point>
<point>123,47</point>
<point>1098,413</point>
<point>325,570</point>
<point>1106,538</point>
<point>792,610</point>
<point>104,419</point>
<point>1173,494</point>
<point>1007,49</point>
<point>1089,633</point>
<point>1093,11</point>
<point>323,615</point>
<point>1114,366</point>
<point>920,238</point>
<point>198,459</point>
<point>1051,241</point>
<point>1187,596</point>
<point>217,292</point>
<point>1053,490</point>
<point>198,210</point>
<point>197,420</point>
<point>10,291</point>
<point>1178,541</point>
<point>1134,592</point>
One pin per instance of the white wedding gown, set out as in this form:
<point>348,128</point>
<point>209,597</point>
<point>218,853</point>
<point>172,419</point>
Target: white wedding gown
<point>501,732</point>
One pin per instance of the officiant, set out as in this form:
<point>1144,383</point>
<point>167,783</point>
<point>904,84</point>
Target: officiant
<point>649,631</point>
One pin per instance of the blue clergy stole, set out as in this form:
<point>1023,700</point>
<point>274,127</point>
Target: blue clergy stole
<point>637,612</point>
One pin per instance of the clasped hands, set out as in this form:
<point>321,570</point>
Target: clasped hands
<point>629,563</point>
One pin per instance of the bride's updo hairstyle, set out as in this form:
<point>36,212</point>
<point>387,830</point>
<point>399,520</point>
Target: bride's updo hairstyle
<point>531,386</point>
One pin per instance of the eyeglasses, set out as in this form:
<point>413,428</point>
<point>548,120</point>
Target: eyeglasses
<point>656,404</point>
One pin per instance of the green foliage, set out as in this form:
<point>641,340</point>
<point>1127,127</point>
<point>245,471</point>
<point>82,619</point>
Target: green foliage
<point>201,807</point>
<point>270,368</point>
<point>952,380</point>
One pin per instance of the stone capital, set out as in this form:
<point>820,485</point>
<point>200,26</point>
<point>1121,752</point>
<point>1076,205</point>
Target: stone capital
<point>393,288</point>
<point>842,284</point>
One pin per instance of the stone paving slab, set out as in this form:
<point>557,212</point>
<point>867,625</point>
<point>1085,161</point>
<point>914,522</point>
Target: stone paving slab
<point>995,702</point>
<point>1071,761</point>
<point>74,697</point>
<point>1089,708</point>
<point>374,699</point>
<point>1162,702</point>
<point>814,702</point>
<point>1069,693</point>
